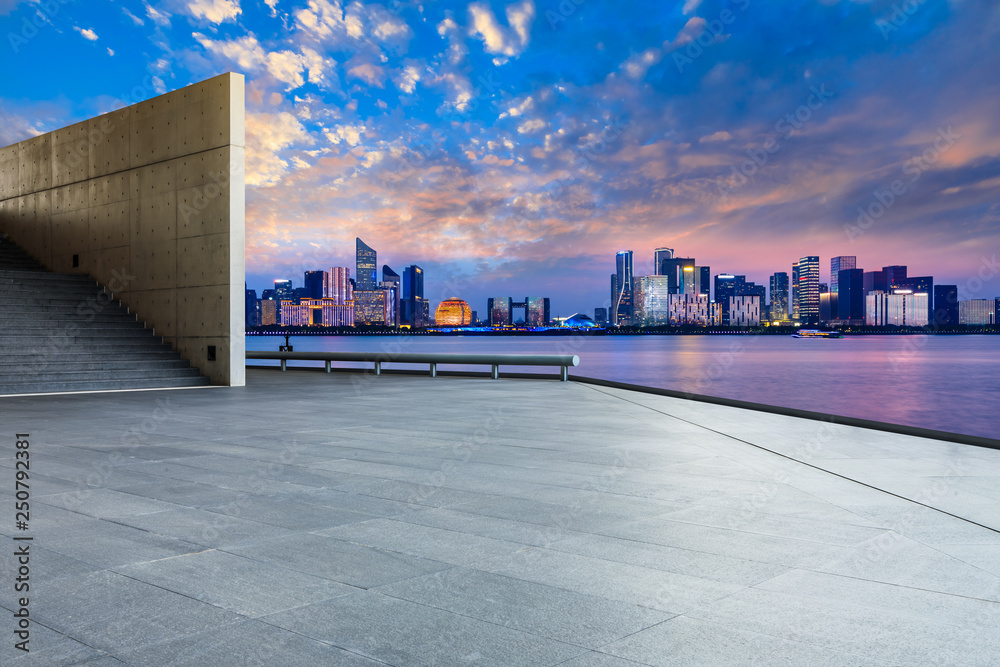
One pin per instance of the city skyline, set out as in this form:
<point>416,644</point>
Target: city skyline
<point>507,146</point>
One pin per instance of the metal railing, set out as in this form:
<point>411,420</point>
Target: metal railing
<point>563,361</point>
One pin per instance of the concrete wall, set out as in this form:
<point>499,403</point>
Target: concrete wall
<point>150,198</point>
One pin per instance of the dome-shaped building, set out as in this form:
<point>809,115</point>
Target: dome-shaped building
<point>453,313</point>
<point>579,321</point>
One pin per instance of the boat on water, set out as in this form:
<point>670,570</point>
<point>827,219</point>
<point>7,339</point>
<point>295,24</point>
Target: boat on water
<point>816,333</point>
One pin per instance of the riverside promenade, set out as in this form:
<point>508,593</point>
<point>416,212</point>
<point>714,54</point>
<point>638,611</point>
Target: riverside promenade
<point>346,519</point>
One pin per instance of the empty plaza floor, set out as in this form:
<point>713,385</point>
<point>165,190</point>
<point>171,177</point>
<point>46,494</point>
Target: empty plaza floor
<point>346,519</point>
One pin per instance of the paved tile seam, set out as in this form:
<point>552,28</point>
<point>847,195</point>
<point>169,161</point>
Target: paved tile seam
<point>804,463</point>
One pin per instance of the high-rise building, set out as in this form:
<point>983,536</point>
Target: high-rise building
<point>315,283</point>
<point>536,311</point>
<point>338,285</point>
<point>371,307</point>
<point>317,312</point>
<point>703,280</point>
<point>268,311</point>
<point>622,301</point>
<point>692,309</point>
<point>875,281</point>
<point>851,294</point>
<point>744,311</point>
<point>838,264</point>
<point>601,316</point>
<point>453,313</point>
<point>726,286</point>
<point>283,291</point>
<point>894,274</point>
<point>675,269</point>
<point>827,306</point>
<point>391,290</point>
<point>916,284</point>
<point>366,276</point>
<point>391,281</point>
<point>779,297</point>
<point>659,255</point>
<point>977,311</point>
<point>252,308</point>
<point>413,304</point>
<point>651,300</point>
<point>500,310</point>
<point>805,289</point>
<point>945,305</point>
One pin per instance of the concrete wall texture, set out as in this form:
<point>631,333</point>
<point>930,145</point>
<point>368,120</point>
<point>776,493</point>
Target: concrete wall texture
<point>150,200</point>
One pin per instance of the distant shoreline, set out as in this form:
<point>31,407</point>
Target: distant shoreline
<point>766,331</point>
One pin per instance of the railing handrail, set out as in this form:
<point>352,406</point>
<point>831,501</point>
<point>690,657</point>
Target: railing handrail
<point>564,361</point>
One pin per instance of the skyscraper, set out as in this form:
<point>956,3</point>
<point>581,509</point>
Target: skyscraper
<point>500,311</point>
<point>622,302</point>
<point>536,311</point>
<point>894,274</point>
<point>338,285</point>
<point>725,288</point>
<point>659,255</point>
<point>945,306</point>
<point>838,264</point>
<point>805,289</point>
<point>651,301</point>
<point>391,282</point>
<point>315,282</point>
<point>850,294</point>
<point>367,263</point>
<point>674,268</point>
<point>283,291</point>
<point>779,297</point>
<point>413,297</point>
<point>252,308</point>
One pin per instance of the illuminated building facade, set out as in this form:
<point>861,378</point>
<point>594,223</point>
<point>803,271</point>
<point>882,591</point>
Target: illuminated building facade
<point>621,288</point>
<point>805,290</point>
<point>977,311</point>
<point>601,316</point>
<point>838,264</point>
<point>744,311</point>
<point>337,285</point>
<point>901,309</point>
<point>779,297</point>
<point>366,260</point>
<point>317,312</point>
<point>268,312</point>
<point>500,310</point>
<point>688,309</point>
<point>453,313</point>
<point>651,301</point>
<point>414,307</point>
<point>391,283</point>
<point>659,255</point>
<point>371,307</point>
<point>536,311</point>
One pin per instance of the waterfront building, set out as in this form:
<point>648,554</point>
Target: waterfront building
<point>675,269</point>
<point>875,281</point>
<point>851,295</point>
<point>366,264</point>
<point>827,306</point>
<point>726,286</point>
<point>977,311</point>
<point>317,312</point>
<point>622,298</point>
<point>903,308</point>
<point>744,311</point>
<point>601,316</point>
<point>314,284</point>
<point>500,310</point>
<point>414,307</point>
<point>805,290</point>
<point>946,305</point>
<point>691,309</point>
<point>838,264</point>
<point>916,284</point>
<point>391,282</point>
<point>703,280</point>
<point>659,255</point>
<point>536,311</point>
<point>391,290</point>
<point>453,313</point>
<point>268,312</point>
<point>337,285</point>
<point>778,311</point>
<point>894,275</point>
<point>651,301</point>
<point>371,307</point>
<point>283,291</point>
<point>251,308</point>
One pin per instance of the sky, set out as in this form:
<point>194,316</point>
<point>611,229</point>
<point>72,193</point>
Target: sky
<point>512,148</point>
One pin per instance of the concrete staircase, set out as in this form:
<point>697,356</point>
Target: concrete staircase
<point>63,332</point>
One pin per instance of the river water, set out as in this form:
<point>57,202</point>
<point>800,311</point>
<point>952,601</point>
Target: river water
<point>949,383</point>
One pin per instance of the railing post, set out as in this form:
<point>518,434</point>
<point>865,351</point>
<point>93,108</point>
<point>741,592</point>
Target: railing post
<point>434,370</point>
<point>565,373</point>
<point>283,365</point>
<point>378,368</point>
<point>496,371</point>
<point>327,365</point>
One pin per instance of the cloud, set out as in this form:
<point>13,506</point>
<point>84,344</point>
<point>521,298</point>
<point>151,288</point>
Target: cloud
<point>690,7</point>
<point>531,126</point>
<point>157,16</point>
<point>349,134</point>
<point>329,22</point>
<point>215,11</point>
<point>267,135</point>
<point>510,41</point>
<point>370,73</point>
<point>721,135</point>
<point>519,109</point>
<point>637,65</point>
<point>111,51</point>
<point>245,51</point>
<point>451,31</point>
<point>87,33</point>
<point>135,19</point>
<point>287,67</point>
<point>408,78</point>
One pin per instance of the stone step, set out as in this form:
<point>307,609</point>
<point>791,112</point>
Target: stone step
<point>83,385</point>
<point>149,362</point>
